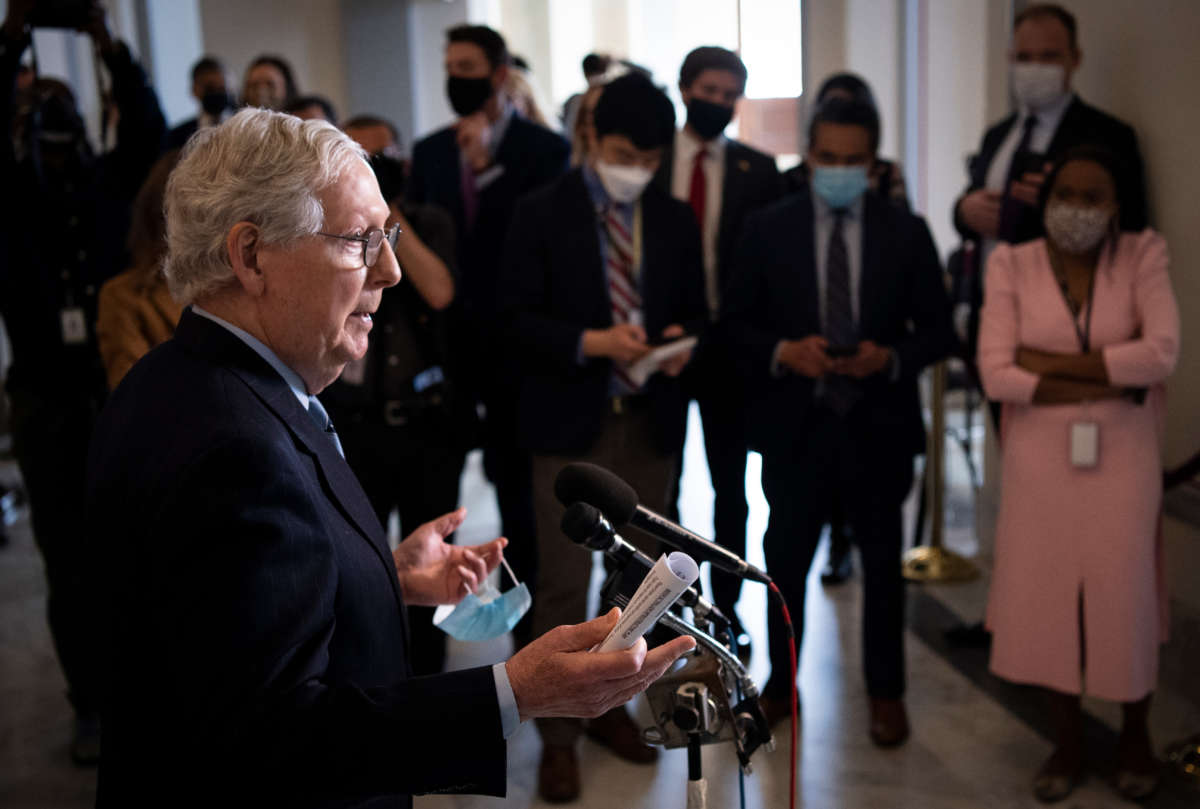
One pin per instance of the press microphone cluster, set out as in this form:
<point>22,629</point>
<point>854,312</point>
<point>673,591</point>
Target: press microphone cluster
<point>585,525</point>
<point>618,502</point>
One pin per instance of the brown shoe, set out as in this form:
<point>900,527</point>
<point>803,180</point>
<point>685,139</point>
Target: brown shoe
<point>558,774</point>
<point>616,731</point>
<point>889,722</point>
<point>776,709</point>
<point>1058,776</point>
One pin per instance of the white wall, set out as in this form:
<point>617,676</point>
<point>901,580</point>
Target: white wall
<point>175,39</point>
<point>307,33</point>
<point>427,24</point>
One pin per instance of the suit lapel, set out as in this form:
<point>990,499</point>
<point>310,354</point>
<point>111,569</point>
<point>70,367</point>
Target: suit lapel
<point>801,244</point>
<point>1063,136</point>
<point>733,191</point>
<point>873,231</point>
<point>665,176</point>
<point>345,492</point>
<point>582,230</point>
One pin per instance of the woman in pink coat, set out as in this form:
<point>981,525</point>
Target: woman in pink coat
<point>1078,333</point>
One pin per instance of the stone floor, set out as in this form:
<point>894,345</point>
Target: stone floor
<point>975,741</point>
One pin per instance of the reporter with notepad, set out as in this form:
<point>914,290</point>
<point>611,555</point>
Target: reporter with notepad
<point>599,266</point>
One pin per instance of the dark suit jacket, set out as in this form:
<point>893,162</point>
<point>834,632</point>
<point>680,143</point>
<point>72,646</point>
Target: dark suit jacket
<point>530,155</point>
<point>1081,124</point>
<point>774,296</point>
<point>257,633</point>
<point>555,286</point>
<point>751,182</point>
<point>179,135</point>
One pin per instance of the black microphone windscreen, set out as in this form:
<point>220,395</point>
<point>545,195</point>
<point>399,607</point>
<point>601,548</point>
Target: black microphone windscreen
<point>579,522</point>
<point>588,483</point>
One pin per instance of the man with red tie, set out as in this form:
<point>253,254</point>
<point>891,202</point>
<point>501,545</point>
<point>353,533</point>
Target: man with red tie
<point>723,181</point>
<point>599,266</point>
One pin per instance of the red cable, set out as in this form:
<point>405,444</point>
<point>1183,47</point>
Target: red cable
<point>787,619</point>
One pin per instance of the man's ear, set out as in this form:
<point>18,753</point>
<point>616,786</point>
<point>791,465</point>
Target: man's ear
<point>241,245</point>
<point>499,76</point>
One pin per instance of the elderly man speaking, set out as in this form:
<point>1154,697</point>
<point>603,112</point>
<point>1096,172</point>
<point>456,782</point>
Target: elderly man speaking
<point>256,630</point>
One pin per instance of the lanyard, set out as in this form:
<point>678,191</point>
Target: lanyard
<point>1085,333</point>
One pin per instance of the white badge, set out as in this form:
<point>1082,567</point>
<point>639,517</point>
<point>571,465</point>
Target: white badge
<point>74,326</point>
<point>1085,444</point>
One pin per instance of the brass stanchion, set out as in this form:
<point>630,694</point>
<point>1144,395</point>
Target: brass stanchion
<point>1184,756</point>
<point>933,562</point>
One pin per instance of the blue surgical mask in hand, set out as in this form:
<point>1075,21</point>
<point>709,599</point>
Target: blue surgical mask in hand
<point>839,186</point>
<point>484,614</point>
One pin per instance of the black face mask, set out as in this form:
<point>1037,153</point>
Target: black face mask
<point>216,102</point>
<point>707,118</point>
<point>468,95</point>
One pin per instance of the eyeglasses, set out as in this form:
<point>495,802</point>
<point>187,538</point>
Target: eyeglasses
<point>372,242</point>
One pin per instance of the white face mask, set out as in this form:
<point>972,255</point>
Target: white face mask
<point>1076,229</point>
<point>623,183</point>
<point>1038,86</point>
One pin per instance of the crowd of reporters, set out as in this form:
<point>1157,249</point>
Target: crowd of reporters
<point>543,268</point>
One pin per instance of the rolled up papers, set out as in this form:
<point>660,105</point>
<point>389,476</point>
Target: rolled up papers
<point>671,575</point>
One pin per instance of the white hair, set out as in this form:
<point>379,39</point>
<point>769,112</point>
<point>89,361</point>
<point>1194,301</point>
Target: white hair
<point>259,166</point>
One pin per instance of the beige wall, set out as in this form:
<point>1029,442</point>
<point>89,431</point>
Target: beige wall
<point>308,33</point>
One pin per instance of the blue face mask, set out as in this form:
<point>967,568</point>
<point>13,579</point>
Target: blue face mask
<point>484,614</point>
<point>839,185</point>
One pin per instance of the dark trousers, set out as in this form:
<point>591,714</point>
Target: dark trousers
<point>724,421</point>
<point>836,458</point>
<point>510,470</point>
<point>414,469</point>
<point>51,432</point>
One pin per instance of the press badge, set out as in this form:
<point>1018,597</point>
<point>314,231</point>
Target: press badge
<point>1085,444</point>
<point>74,326</point>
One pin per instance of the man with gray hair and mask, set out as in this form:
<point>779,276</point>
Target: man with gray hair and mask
<point>256,629</point>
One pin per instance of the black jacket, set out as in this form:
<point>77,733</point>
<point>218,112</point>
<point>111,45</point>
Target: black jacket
<point>775,297</point>
<point>529,156</point>
<point>555,287</point>
<point>256,629</point>
<point>1081,124</point>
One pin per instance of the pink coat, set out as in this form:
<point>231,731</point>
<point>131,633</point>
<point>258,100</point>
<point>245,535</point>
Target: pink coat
<point>1080,548</point>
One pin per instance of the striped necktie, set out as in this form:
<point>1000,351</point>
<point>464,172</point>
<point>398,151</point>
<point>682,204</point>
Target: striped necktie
<point>316,411</point>
<point>622,287</point>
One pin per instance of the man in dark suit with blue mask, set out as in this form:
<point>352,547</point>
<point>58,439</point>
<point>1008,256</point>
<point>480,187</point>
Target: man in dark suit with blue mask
<point>256,629</point>
<point>837,303</point>
<point>476,169</point>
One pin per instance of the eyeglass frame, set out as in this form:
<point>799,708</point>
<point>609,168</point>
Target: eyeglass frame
<point>390,236</point>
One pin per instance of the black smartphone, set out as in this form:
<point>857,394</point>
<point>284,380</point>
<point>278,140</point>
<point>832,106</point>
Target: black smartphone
<point>1028,162</point>
<point>838,352</point>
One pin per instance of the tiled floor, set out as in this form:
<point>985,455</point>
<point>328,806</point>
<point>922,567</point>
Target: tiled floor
<point>969,747</point>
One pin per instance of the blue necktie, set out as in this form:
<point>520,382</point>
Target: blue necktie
<point>316,411</point>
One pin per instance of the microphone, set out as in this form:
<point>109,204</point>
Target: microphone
<point>616,499</point>
<point>585,525</point>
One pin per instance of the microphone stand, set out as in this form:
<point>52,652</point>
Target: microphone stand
<point>692,705</point>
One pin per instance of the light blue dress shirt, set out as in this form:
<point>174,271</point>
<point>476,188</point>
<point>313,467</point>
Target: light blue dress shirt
<point>510,717</point>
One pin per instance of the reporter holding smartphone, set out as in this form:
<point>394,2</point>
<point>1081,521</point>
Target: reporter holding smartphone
<point>837,304</point>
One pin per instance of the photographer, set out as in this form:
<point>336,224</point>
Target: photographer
<point>65,214</point>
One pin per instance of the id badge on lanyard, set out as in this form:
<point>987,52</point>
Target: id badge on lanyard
<point>1084,434</point>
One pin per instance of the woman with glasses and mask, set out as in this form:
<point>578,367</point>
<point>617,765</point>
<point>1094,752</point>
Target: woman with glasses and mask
<point>1079,332</point>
